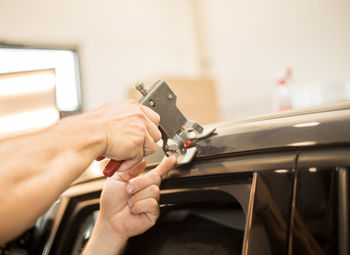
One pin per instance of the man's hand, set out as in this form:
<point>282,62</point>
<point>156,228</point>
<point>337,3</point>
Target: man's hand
<point>124,131</point>
<point>129,206</point>
<point>130,131</point>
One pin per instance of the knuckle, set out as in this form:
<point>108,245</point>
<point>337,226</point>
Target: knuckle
<point>155,217</point>
<point>154,204</point>
<point>157,213</point>
<point>139,126</point>
<point>152,148</point>
<point>153,221</point>
<point>138,140</point>
<point>139,114</point>
<point>155,189</point>
<point>155,178</point>
<point>135,209</point>
<point>159,135</point>
<point>155,146</point>
<point>156,119</point>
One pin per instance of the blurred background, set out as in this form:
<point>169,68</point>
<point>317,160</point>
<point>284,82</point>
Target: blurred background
<point>227,59</point>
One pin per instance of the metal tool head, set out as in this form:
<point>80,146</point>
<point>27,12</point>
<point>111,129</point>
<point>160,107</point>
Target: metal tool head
<point>173,124</point>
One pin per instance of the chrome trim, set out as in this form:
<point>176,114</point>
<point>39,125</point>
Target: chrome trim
<point>293,209</point>
<point>343,211</point>
<point>55,225</point>
<point>84,188</point>
<point>249,218</point>
<point>65,197</point>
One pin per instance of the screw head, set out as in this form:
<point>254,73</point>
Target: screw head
<point>170,96</point>
<point>139,85</point>
<point>152,103</point>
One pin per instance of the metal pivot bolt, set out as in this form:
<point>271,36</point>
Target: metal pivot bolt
<point>152,103</point>
<point>140,87</point>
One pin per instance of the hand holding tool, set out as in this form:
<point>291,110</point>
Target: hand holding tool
<point>177,132</point>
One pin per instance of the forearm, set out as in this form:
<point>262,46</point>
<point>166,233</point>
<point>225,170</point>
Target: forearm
<point>36,168</point>
<point>104,241</point>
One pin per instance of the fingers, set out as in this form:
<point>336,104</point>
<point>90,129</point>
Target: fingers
<point>152,129</point>
<point>149,146</point>
<point>151,121</point>
<point>149,205</point>
<point>152,125</point>
<point>152,177</point>
<point>112,166</point>
<point>121,166</point>
<point>152,115</point>
<point>143,181</point>
<point>145,192</point>
<point>130,163</point>
<point>131,173</point>
<point>149,192</point>
<point>165,165</point>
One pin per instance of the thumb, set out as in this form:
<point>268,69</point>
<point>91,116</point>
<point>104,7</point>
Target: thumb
<point>166,164</point>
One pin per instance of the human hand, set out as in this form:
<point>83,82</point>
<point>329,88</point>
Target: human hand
<point>130,204</point>
<point>128,207</point>
<point>130,130</point>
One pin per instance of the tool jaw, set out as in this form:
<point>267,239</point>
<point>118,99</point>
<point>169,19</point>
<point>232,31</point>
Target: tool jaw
<point>177,132</point>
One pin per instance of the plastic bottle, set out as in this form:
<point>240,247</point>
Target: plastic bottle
<point>283,97</point>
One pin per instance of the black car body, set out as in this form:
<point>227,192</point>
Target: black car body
<point>277,184</point>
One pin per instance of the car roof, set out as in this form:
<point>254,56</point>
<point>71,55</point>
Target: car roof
<point>317,126</point>
<point>291,129</point>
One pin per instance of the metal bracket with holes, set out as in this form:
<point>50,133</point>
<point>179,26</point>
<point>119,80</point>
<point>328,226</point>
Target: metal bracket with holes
<point>177,131</point>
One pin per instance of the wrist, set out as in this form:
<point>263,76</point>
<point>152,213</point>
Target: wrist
<point>104,227</point>
<point>88,133</point>
<point>104,240</point>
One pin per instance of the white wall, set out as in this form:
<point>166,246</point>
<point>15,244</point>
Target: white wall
<point>119,42</point>
<point>247,42</point>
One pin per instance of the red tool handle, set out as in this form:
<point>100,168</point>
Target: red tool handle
<point>111,167</point>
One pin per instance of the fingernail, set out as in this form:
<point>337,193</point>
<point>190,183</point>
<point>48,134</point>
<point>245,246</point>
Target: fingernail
<point>130,203</point>
<point>130,188</point>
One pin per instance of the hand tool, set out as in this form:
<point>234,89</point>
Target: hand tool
<point>177,132</point>
<point>111,167</point>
